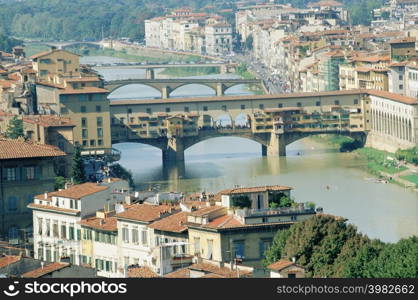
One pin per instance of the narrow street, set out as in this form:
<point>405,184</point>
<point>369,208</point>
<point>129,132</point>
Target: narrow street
<point>272,82</point>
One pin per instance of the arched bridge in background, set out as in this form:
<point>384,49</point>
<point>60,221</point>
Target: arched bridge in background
<point>167,86</point>
<point>62,45</point>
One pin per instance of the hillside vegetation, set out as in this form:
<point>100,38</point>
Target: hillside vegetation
<point>90,20</point>
<point>329,247</point>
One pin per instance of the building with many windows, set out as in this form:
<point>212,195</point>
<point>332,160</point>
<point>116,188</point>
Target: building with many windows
<point>115,236</point>
<point>57,216</point>
<point>26,170</point>
<point>218,38</point>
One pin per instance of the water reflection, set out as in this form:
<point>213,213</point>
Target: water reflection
<point>335,181</point>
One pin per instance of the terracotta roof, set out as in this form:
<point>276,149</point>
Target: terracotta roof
<point>173,223</point>
<point>17,149</point>
<point>141,272</point>
<point>337,53</point>
<point>85,90</point>
<point>28,71</point>
<point>106,224</point>
<point>206,210</point>
<point>180,273</point>
<point>256,189</point>
<point>48,120</point>
<point>75,192</point>
<point>388,95</point>
<point>7,260</point>
<point>280,265</point>
<point>403,40</point>
<point>374,58</point>
<point>83,79</point>
<point>145,212</point>
<point>363,69</point>
<point>14,77</point>
<point>226,221</point>
<point>398,64</point>
<point>45,270</point>
<point>211,271</point>
<point>53,208</point>
<point>6,83</point>
<point>5,54</point>
<point>394,97</point>
<point>50,84</point>
<point>35,56</point>
<point>40,54</point>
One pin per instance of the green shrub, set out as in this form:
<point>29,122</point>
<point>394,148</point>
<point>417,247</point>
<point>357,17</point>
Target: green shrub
<point>241,201</point>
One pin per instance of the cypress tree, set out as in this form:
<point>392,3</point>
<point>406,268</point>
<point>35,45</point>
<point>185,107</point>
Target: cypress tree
<point>15,128</point>
<point>78,175</point>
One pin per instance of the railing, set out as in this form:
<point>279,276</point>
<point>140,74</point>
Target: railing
<point>272,211</point>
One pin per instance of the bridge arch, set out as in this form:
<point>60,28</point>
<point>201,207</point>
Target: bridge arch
<point>230,89</point>
<point>178,89</point>
<point>149,90</point>
<point>295,136</point>
<point>192,142</point>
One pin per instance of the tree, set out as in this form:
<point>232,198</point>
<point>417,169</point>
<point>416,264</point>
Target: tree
<point>249,42</point>
<point>120,172</point>
<point>280,200</point>
<point>59,183</point>
<point>241,201</point>
<point>274,253</point>
<point>15,128</point>
<point>7,43</point>
<point>328,247</point>
<point>78,175</point>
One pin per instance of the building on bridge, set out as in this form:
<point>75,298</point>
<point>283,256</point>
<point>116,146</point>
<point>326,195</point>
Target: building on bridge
<point>173,125</point>
<point>376,118</point>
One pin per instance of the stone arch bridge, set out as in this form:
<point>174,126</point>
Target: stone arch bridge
<point>274,121</point>
<point>166,86</point>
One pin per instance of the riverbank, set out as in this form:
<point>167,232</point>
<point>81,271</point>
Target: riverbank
<point>129,54</point>
<point>189,71</point>
<point>381,164</point>
<point>388,169</point>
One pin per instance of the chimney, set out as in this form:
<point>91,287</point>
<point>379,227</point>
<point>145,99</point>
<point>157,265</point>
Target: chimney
<point>42,265</point>
<point>45,195</point>
<point>109,180</point>
<point>293,259</point>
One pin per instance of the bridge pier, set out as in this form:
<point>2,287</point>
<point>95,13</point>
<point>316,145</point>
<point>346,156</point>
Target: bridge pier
<point>276,146</point>
<point>220,89</point>
<point>150,74</point>
<point>165,92</point>
<point>263,150</point>
<point>174,150</point>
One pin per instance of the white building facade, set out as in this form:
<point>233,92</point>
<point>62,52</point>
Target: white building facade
<point>56,217</point>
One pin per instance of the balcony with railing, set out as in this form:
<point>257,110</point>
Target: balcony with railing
<point>270,215</point>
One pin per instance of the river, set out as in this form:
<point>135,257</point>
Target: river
<point>335,181</point>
